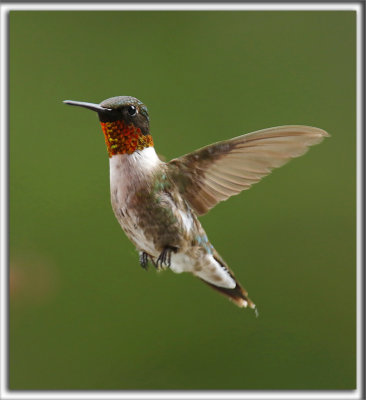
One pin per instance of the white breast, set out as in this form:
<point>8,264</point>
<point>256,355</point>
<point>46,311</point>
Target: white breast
<point>130,170</point>
<point>127,173</point>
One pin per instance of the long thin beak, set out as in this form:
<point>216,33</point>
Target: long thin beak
<point>90,106</point>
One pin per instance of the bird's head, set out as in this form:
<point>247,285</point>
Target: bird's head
<point>125,123</point>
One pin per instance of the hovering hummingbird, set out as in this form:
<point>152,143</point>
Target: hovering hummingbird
<point>157,203</point>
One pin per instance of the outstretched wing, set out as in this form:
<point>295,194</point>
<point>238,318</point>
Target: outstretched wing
<point>216,172</point>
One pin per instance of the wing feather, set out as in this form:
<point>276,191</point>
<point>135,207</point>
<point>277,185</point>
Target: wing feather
<point>216,172</point>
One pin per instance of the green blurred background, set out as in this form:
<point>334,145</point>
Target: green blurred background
<point>83,313</point>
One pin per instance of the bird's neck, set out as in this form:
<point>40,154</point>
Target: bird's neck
<point>121,138</point>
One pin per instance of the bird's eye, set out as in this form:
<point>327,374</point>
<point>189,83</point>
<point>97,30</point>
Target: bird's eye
<point>131,110</point>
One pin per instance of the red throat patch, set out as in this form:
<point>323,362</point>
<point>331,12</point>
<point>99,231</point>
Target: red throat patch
<point>124,139</point>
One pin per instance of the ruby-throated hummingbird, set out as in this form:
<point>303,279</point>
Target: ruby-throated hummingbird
<point>157,203</point>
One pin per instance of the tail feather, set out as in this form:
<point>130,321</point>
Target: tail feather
<point>238,295</point>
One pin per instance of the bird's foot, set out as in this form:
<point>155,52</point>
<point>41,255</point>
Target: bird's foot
<point>144,259</point>
<point>165,257</point>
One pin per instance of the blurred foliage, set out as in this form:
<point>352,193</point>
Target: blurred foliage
<point>83,314</point>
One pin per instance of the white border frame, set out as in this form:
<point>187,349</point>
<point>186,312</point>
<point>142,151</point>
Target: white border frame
<point>18,395</point>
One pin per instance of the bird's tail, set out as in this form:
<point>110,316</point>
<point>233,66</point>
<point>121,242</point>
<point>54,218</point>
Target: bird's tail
<point>238,294</point>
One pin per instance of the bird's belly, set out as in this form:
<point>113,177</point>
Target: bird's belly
<point>130,223</point>
<point>181,262</point>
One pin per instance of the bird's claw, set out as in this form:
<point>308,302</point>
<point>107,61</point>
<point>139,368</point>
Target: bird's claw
<point>165,257</point>
<point>144,260</point>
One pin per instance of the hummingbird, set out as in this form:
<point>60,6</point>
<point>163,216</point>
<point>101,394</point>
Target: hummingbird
<point>158,203</point>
